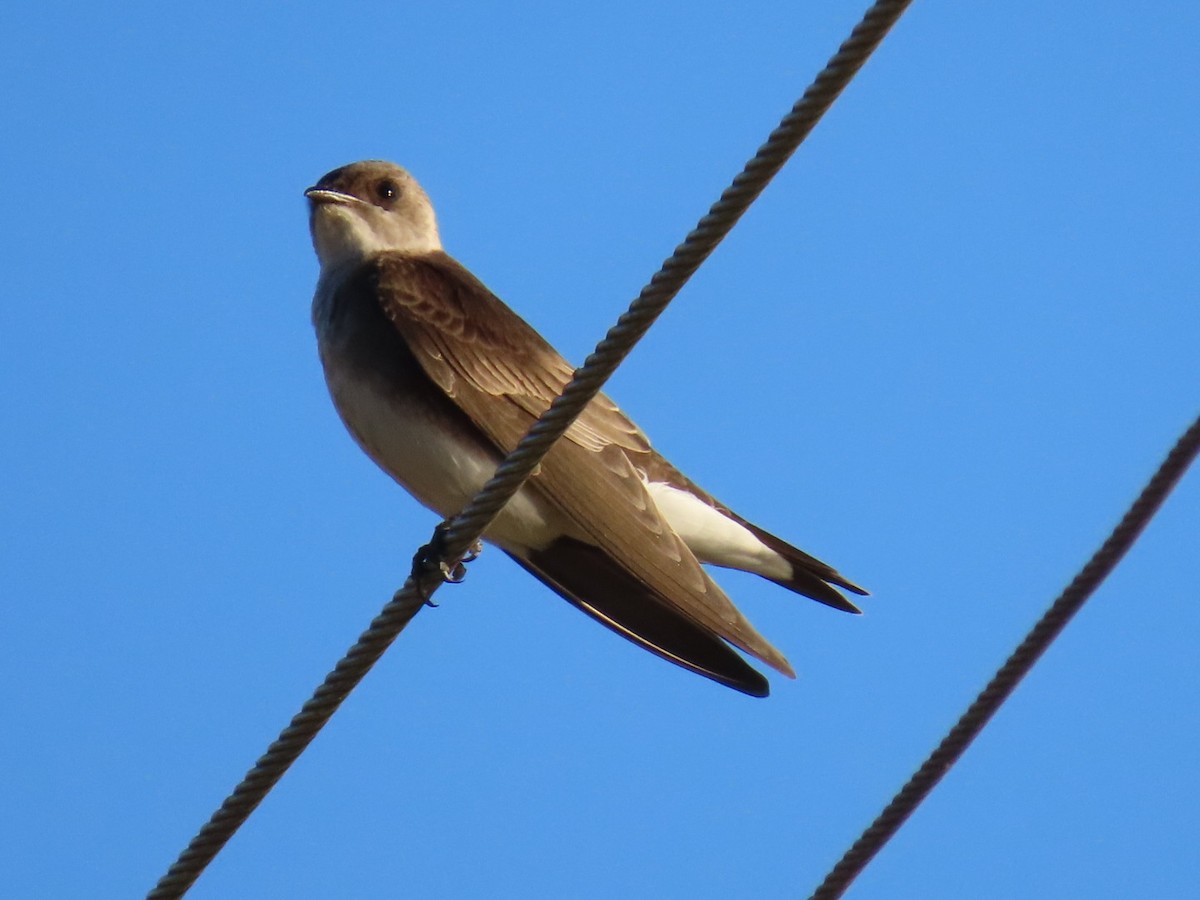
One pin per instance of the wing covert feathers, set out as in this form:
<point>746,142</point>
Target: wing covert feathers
<point>638,577</point>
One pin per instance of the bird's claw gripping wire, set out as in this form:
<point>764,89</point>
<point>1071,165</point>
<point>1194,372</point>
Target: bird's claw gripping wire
<point>458,573</point>
<point>430,559</point>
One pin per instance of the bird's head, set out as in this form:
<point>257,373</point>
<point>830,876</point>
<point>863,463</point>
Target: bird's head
<point>367,208</point>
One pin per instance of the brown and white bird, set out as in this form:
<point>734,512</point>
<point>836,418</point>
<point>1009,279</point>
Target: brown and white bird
<point>436,379</point>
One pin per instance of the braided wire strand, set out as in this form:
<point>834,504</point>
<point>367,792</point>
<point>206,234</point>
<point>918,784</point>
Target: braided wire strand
<point>466,527</point>
<point>1015,668</point>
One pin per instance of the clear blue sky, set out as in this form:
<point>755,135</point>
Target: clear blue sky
<point>943,352</point>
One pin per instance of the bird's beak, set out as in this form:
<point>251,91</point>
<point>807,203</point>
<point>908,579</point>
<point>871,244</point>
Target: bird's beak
<point>318,195</point>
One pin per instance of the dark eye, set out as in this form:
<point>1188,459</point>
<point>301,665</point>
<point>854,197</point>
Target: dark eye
<point>387,190</point>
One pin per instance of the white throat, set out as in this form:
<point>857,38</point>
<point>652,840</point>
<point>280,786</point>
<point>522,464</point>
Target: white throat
<point>350,232</point>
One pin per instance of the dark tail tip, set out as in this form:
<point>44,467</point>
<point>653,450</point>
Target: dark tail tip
<point>815,588</point>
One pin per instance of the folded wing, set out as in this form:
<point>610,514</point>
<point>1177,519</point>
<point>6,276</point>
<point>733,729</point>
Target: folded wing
<point>634,573</point>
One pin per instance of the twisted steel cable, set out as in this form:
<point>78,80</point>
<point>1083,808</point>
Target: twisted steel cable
<point>1015,668</point>
<point>453,541</point>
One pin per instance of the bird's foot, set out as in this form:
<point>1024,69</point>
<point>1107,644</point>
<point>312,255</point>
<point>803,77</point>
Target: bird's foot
<point>431,558</point>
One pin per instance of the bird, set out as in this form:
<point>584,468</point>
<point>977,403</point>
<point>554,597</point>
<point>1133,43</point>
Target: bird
<point>436,379</point>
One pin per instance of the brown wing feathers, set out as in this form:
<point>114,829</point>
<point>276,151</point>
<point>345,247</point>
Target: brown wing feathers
<point>478,351</point>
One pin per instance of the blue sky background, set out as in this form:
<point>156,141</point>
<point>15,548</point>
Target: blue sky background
<point>943,352</point>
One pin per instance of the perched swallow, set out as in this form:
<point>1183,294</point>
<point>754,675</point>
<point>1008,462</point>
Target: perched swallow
<point>437,379</point>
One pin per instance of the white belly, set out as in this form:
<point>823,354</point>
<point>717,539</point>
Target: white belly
<point>433,464</point>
